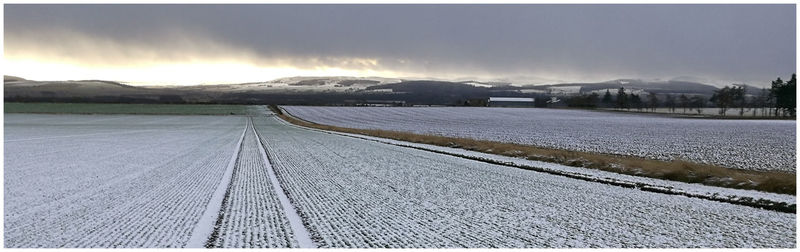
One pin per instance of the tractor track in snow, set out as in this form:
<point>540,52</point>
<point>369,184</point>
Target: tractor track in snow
<point>301,233</point>
<point>211,229</point>
<point>205,227</point>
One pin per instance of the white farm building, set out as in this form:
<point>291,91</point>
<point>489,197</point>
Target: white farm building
<point>510,102</point>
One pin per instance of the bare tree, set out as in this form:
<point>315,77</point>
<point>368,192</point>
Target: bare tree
<point>698,102</point>
<point>652,101</point>
<point>739,98</point>
<point>684,102</point>
<point>723,98</point>
<point>757,102</point>
<point>669,101</point>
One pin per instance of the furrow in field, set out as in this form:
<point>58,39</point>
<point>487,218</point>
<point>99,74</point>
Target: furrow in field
<point>206,225</point>
<point>743,144</point>
<point>356,193</point>
<point>90,196</point>
<point>301,233</point>
<point>252,216</point>
<point>88,163</point>
<point>764,200</point>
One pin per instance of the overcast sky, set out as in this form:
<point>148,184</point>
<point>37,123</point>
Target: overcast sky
<point>523,43</point>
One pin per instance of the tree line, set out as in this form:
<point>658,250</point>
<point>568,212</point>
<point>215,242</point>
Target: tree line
<point>628,100</point>
<point>778,100</point>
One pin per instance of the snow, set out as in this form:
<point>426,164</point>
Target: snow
<point>674,187</point>
<point>252,215</point>
<point>359,193</point>
<point>295,222</point>
<point>150,185</point>
<point>326,84</point>
<point>144,187</point>
<point>205,226</point>
<point>532,91</point>
<point>477,84</point>
<point>744,144</point>
<point>564,90</point>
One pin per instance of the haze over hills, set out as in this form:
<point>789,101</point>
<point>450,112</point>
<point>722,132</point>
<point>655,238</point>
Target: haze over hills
<point>327,90</point>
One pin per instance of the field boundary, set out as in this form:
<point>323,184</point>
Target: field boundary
<point>301,233</point>
<point>695,115</point>
<point>766,204</point>
<point>206,226</point>
<point>674,170</point>
<point>128,108</point>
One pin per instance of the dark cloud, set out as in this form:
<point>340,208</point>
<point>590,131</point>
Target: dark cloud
<point>744,43</point>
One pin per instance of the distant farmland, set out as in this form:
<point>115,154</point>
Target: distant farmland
<point>744,144</point>
<point>257,181</point>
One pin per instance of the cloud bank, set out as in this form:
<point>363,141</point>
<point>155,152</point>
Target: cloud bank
<point>523,43</point>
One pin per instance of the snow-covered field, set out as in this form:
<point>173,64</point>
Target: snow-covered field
<point>252,216</point>
<point>745,144</point>
<point>151,181</point>
<point>111,181</point>
<point>358,193</point>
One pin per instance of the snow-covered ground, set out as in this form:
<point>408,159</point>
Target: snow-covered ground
<point>303,84</point>
<point>251,215</point>
<point>147,181</point>
<point>745,144</point>
<point>359,193</point>
<point>664,186</point>
<point>111,181</point>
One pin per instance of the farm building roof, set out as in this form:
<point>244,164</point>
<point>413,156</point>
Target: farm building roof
<point>510,99</point>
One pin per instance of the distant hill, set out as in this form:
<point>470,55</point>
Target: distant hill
<point>70,88</point>
<point>430,87</point>
<point>85,90</point>
<point>632,85</point>
<point>751,90</point>
<point>9,78</point>
<point>329,90</point>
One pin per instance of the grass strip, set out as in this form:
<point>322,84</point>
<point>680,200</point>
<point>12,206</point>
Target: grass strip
<point>125,108</point>
<point>675,170</point>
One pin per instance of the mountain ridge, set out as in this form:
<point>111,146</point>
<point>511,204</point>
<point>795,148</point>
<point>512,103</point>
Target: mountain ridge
<point>328,90</point>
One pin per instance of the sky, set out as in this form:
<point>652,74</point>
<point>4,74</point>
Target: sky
<point>524,44</point>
